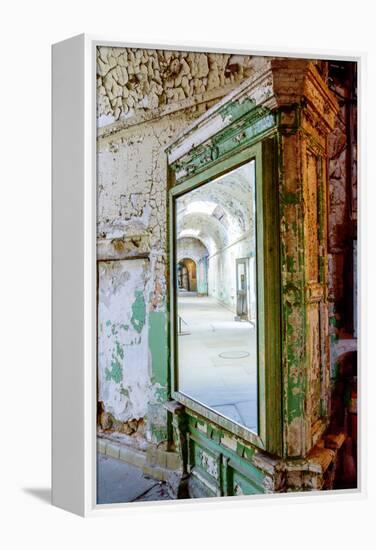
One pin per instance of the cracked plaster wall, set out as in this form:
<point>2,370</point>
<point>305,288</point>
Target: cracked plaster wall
<point>131,222</point>
<point>131,79</point>
<point>222,274</point>
<point>124,383</point>
<point>145,97</point>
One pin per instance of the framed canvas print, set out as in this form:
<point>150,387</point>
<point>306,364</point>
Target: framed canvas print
<point>205,319</point>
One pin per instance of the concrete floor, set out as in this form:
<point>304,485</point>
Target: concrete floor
<point>226,385</point>
<point>120,482</point>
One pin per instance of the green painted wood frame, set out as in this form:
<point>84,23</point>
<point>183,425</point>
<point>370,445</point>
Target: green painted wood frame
<point>270,430</point>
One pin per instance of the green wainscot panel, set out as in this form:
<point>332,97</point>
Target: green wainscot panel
<point>242,486</point>
<point>217,469</point>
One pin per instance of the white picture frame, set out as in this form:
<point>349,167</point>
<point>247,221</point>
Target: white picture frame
<point>74,274</point>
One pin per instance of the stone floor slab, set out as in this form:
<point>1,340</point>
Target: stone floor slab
<point>120,482</point>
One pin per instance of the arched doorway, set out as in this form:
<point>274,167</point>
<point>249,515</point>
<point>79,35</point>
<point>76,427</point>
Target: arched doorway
<point>187,275</point>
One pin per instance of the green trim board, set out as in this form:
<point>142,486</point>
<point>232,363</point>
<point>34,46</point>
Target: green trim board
<point>221,465</point>
<point>229,141</point>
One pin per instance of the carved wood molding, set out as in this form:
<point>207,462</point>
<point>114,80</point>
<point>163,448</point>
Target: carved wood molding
<point>290,86</point>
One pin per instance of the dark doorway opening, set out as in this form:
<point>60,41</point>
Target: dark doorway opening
<point>187,275</point>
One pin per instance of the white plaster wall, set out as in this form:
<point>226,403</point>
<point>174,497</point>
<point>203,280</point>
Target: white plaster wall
<point>132,196</point>
<point>123,356</point>
<point>188,247</point>
<point>222,272</point>
<point>145,98</point>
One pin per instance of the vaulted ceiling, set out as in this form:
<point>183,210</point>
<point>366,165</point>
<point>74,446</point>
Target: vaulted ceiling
<point>221,211</point>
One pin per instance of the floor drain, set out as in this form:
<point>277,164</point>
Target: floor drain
<point>234,354</point>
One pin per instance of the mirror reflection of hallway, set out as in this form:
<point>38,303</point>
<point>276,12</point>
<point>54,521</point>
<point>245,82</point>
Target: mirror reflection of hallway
<point>215,227</point>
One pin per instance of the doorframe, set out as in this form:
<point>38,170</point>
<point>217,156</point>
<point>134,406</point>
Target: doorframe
<point>245,261</point>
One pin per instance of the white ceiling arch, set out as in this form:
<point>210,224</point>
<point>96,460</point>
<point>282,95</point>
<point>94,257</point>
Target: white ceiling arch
<point>205,228</point>
<point>220,211</point>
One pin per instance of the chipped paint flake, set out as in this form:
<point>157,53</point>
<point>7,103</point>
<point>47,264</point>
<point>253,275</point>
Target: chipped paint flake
<point>138,312</point>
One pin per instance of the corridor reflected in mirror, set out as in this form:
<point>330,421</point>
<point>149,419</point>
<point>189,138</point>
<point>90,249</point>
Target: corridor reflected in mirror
<point>216,324</point>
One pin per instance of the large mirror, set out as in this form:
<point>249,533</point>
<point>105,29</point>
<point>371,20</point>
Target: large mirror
<point>216,295</point>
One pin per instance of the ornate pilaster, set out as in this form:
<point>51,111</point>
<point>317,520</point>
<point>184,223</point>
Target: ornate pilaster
<point>305,113</point>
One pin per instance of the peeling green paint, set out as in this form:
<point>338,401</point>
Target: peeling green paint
<point>226,471</point>
<point>138,312</point>
<point>233,110</point>
<point>248,452</point>
<point>290,260</point>
<point>159,433</point>
<point>159,352</point>
<point>290,198</point>
<point>248,124</point>
<point>334,322</point>
<point>161,394</point>
<point>334,338</point>
<point>119,350</point>
<point>116,372</point>
<point>294,403</point>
